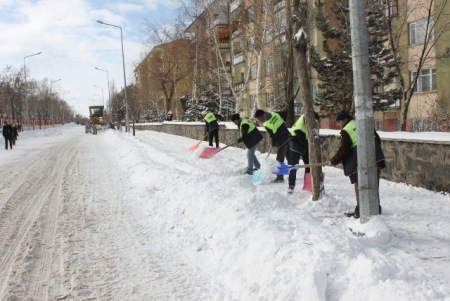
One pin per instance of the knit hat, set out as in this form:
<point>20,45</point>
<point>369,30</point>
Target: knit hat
<point>235,117</point>
<point>204,113</point>
<point>343,115</point>
<point>258,113</point>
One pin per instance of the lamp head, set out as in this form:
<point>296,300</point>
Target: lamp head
<point>101,22</point>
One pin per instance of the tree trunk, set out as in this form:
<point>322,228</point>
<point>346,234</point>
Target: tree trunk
<point>290,94</point>
<point>300,56</point>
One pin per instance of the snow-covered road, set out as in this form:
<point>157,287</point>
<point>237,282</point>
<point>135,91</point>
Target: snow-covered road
<point>118,217</point>
<point>70,226</point>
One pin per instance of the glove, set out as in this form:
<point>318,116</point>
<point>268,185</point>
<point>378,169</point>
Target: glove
<point>240,140</point>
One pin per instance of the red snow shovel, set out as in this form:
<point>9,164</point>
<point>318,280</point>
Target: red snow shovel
<point>210,152</point>
<point>195,146</point>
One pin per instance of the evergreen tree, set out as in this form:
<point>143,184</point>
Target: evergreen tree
<point>208,101</point>
<point>335,68</point>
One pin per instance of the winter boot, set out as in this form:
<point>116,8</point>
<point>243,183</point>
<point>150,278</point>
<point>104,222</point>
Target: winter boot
<point>354,214</point>
<point>278,179</point>
<point>307,185</point>
<point>290,190</point>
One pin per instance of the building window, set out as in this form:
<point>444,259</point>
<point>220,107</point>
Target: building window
<point>253,72</point>
<point>315,92</point>
<point>280,20</point>
<point>251,43</point>
<point>391,8</point>
<point>268,67</point>
<point>250,14</point>
<point>297,107</point>
<point>418,30</point>
<point>426,81</point>
<point>253,101</point>
<point>270,99</point>
<point>224,34</point>
<point>268,35</point>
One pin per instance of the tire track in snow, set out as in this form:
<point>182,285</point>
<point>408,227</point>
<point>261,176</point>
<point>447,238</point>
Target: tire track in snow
<point>31,210</point>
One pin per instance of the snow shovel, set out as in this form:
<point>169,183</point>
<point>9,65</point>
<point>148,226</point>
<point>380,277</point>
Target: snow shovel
<point>257,177</point>
<point>284,169</point>
<point>195,146</point>
<point>270,150</point>
<point>210,152</point>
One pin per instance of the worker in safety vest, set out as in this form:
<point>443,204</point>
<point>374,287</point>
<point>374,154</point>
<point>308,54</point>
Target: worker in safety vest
<point>298,148</point>
<point>251,137</point>
<point>212,126</point>
<point>347,154</point>
<point>279,134</point>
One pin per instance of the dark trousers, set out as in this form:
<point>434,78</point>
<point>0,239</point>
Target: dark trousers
<point>295,159</point>
<point>6,142</point>
<point>282,153</point>
<point>214,134</point>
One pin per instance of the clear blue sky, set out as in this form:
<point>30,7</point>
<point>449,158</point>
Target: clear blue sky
<point>73,43</point>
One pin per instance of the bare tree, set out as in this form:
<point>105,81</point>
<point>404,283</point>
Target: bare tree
<point>431,27</point>
<point>169,63</point>
<point>12,87</point>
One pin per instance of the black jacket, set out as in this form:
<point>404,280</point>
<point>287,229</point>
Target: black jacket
<point>7,131</point>
<point>249,139</point>
<point>298,143</point>
<point>349,158</point>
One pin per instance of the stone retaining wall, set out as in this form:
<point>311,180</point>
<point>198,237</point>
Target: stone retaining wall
<point>418,163</point>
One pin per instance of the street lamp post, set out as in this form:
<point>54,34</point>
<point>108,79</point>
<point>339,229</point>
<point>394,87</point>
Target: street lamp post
<point>124,76</point>
<point>109,92</point>
<point>102,94</point>
<point>26,90</point>
<point>98,96</point>
<point>51,102</point>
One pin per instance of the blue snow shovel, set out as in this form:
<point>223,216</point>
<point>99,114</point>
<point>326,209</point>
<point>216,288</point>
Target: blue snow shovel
<point>284,169</point>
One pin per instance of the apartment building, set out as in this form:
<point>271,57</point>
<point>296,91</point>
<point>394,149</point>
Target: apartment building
<point>164,76</point>
<point>242,50</point>
<point>425,42</point>
<point>263,69</point>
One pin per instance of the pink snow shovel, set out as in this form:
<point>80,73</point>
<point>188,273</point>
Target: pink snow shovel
<point>210,152</point>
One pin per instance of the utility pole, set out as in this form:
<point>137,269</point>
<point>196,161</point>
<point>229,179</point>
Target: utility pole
<point>367,170</point>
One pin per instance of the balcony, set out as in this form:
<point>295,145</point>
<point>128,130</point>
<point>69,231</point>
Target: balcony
<point>238,58</point>
<point>239,86</point>
<point>224,45</point>
<point>234,5</point>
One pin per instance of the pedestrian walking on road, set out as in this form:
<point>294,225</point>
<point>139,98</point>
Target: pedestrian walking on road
<point>7,134</point>
<point>251,137</point>
<point>15,134</point>
<point>347,154</point>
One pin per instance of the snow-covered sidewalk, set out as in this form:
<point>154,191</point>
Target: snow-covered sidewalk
<point>142,218</point>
